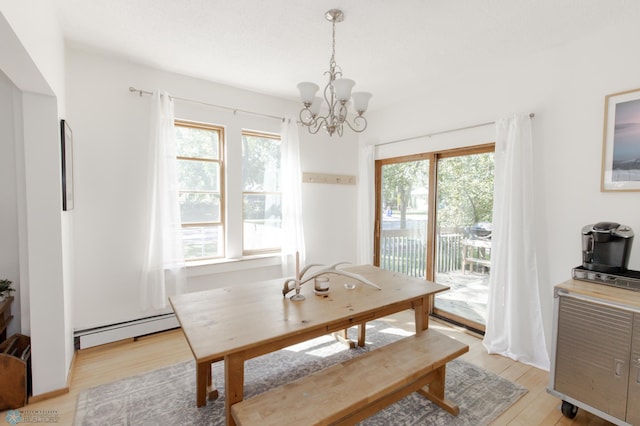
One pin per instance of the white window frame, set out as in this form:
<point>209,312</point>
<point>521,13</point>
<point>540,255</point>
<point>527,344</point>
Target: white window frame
<point>275,249</point>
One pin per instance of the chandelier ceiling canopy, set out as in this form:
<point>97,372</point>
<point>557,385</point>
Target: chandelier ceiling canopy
<point>337,94</point>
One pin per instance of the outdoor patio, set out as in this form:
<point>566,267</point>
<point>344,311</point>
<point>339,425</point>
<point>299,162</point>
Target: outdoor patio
<point>467,296</point>
<point>462,263</point>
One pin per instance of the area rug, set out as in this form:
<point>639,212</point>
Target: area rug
<point>167,396</point>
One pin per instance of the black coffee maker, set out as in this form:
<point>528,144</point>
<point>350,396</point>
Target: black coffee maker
<point>606,247</point>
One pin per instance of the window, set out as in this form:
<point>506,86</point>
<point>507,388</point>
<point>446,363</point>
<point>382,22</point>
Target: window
<point>433,218</point>
<point>261,193</point>
<point>201,183</point>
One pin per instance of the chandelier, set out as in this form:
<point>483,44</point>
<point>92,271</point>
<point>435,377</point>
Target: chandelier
<point>337,93</point>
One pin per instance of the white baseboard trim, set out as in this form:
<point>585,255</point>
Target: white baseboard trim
<point>126,330</point>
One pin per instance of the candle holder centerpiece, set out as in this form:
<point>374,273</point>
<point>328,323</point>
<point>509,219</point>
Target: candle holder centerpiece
<point>301,277</point>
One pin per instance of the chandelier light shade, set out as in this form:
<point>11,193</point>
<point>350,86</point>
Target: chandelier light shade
<point>337,96</point>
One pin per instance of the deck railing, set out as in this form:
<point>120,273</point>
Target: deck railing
<point>449,252</point>
<point>404,251</point>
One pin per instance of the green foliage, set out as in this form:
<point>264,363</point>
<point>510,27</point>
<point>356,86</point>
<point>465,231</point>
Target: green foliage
<point>261,177</point>
<point>197,143</point>
<point>199,176</point>
<point>464,185</point>
<point>399,180</point>
<point>5,287</point>
<point>260,207</point>
<point>260,164</point>
<point>465,190</point>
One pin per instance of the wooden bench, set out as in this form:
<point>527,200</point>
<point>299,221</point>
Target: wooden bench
<point>341,336</point>
<point>353,390</point>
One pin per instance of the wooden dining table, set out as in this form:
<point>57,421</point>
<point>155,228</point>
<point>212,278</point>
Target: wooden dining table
<point>247,320</point>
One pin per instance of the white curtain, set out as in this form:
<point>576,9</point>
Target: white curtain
<point>366,207</point>
<point>163,272</point>
<point>292,226</point>
<point>514,324</point>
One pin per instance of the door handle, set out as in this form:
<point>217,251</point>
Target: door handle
<point>617,371</point>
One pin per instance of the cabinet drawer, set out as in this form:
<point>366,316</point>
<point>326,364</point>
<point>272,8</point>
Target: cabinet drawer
<point>633,408</point>
<point>592,354</point>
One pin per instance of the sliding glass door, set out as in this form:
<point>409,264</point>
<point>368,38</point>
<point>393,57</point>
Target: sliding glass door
<point>402,216</point>
<point>433,221</point>
<point>464,212</point>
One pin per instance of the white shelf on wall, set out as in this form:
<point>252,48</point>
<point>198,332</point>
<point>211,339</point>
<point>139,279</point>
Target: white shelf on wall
<point>327,178</point>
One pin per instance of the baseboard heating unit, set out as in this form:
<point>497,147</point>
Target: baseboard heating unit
<point>125,330</point>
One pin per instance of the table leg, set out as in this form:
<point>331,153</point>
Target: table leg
<point>233,384</point>
<point>203,378</point>
<point>343,336</point>
<point>212,392</point>
<point>362,333</point>
<point>421,311</point>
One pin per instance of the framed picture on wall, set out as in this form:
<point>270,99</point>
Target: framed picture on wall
<point>621,142</point>
<point>66,137</point>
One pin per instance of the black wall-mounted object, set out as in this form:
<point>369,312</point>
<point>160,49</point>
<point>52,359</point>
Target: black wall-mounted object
<point>66,139</point>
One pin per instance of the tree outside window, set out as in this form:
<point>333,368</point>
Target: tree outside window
<point>201,197</point>
<point>262,192</point>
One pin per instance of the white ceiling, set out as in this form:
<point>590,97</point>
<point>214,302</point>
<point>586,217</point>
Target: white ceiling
<point>394,49</point>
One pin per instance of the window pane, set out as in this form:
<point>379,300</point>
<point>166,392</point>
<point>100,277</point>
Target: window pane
<point>196,175</point>
<point>260,164</point>
<point>197,143</point>
<point>202,241</point>
<point>403,237</point>
<point>463,239</point>
<point>199,207</point>
<point>200,163</point>
<point>262,221</point>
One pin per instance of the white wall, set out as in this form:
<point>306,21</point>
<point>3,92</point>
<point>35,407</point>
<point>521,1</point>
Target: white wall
<point>9,247</point>
<point>32,59</point>
<point>36,26</point>
<point>110,128</point>
<point>565,88</point>
<point>330,210</point>
<point>51,338</point>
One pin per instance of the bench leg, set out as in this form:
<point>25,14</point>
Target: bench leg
<point>435,392</point>
<point>430,386</point>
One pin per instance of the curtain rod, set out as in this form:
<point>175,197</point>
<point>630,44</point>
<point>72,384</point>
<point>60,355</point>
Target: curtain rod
<point>235,110</point>
<point>428,135</point>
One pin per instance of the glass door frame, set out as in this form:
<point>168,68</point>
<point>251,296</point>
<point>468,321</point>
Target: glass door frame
<point>433,158</point>
<point>378,207</point>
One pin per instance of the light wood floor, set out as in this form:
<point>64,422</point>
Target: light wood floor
<point>107,363</point>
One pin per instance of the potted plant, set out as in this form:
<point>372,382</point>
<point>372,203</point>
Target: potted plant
<point>5,288</point>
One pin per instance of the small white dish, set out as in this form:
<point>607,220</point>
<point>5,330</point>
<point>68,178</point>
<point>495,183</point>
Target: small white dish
<point>350,286</point>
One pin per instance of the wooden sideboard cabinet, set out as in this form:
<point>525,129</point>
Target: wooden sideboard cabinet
<point>596,351</point>
<point>15,372</point>
<point>15,363</point>
<point>5,317</point>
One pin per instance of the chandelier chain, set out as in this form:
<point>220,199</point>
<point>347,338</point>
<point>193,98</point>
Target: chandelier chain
<point>333,46</point>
